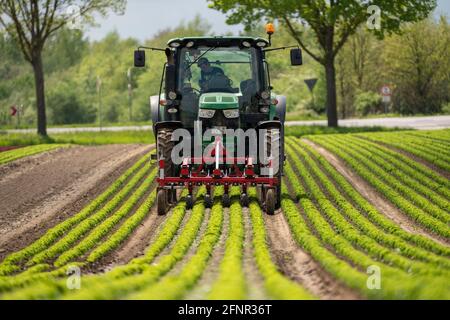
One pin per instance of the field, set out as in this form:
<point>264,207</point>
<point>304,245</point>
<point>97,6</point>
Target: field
<point>365,215</point>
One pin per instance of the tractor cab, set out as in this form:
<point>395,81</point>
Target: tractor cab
<point>212,85</point>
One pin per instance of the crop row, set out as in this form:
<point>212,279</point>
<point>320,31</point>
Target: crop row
<point>406,165</point>
<point>175,286</point>
<point>15,154</point>
<point>386,230</point>
<point>9,266</point>
<point>122,279</point>
<point>276,284</point>
<point>412,189</point>
<point>350,265</point>
<point>99,232</point>
<point>390,193</point>
<point>119,288</point>
<point>423,153</point>
<point>74,235</point>
<point>409,188</point>
<point>231,281</point>
<point>369,242</point>
<point>437,135</point>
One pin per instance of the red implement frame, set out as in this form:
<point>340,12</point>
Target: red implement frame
<point>189,177</point>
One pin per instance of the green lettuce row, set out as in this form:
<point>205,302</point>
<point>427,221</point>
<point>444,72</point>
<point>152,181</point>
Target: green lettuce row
<point>276,284</point>
<point>408,188</point>
<point>74,235</point>
<point>395,284</point>
<point>6,267</point>
<point>437,135</point>
<point>230,284</point>
<point>409,179</point>
<point>11,155</point>
<point>414,212</point>
<point>101,230</point>
<point>107,288</point>
<point>124,231</point>
<point>39,285</point>
<point>176,286</point>
<point>55,286</point>
<point>348,231</point>
<point>121,280</point>
<point>393,234</point>
<point>414,169</point>
<point>425,155</point>
<point>392,286</point>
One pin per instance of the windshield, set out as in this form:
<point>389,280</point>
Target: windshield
<point>220,69</point>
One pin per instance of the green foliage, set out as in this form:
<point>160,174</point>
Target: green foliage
<point>368,102</point>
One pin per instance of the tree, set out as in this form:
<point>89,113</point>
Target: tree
<point>332,21</point>
<point>419,66</point>
<point>31,22</point>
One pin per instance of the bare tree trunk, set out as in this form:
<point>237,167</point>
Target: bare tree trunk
<point>330,75</point>
<point>38,69</point>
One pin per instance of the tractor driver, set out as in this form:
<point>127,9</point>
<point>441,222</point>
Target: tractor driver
<point>207,72</point>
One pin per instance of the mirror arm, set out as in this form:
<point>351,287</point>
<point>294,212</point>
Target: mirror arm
<point>151,48</point>
<point>280,48</point>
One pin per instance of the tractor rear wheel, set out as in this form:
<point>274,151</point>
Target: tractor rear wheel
<point>270,201</point>
<point>273,135</point>
<point>161,201</point>
<point>164,148</point>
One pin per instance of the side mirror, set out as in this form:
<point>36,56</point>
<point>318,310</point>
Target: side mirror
<point>296,57</point>
<point>139,58</point>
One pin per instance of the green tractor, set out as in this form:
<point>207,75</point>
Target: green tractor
<point>216,119</point>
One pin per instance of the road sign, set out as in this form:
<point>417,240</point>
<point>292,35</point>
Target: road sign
<point>386,99</point>
<point>311,83</point>
<point>386,91</point>
<point>13,111</point>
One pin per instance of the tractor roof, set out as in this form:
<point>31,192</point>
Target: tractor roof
<point>217,41</point>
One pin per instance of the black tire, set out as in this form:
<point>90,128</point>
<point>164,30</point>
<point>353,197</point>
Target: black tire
<point>274,134</point>
<point>161,202</point>
<point>226,200</point>
<point>189,202</point>
<point>164,148</point>
<point>270,201</point>
<point>208,201</point>
<point>244,200</point>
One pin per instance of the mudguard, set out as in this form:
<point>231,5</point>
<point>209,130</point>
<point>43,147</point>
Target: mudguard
<point>281,108</point>
<point>154,111</point>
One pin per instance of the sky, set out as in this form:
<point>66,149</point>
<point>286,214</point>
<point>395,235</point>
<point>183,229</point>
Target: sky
<point>144,18</point>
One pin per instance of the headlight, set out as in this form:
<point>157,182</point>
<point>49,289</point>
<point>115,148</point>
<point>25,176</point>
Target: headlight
<point>265,94</point>
<point>172,95</point>
<point>231,113</point>
<point>206,113</point>
<point>264,109</point>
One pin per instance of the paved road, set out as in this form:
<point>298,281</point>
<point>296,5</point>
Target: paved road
<point>420,123</point>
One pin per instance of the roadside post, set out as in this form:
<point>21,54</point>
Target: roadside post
<point>386,93</point>
<point>99,93</point>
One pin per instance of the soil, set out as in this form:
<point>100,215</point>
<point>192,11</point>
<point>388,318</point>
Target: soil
<point>41,191</point>
<point>298,265</point>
